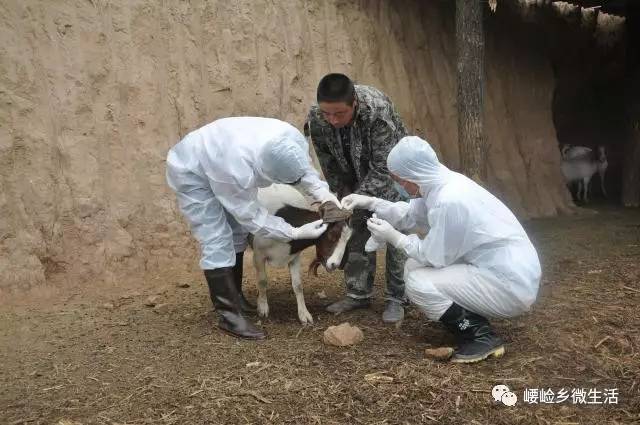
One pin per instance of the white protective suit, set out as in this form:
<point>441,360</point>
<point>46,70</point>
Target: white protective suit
<point>475,254</point>
<point>216,171</point>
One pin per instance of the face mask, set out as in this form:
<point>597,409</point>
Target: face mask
<point>403,193</point>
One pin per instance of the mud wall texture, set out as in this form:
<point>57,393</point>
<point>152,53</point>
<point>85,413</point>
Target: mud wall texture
<point>94,92</point>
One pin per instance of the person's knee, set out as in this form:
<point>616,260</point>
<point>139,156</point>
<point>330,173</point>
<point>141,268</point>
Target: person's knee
<point>410,265</point>
<point>416,288</point>
<point>411,291</point>
<point>529,298</point>
<point>424,295</point>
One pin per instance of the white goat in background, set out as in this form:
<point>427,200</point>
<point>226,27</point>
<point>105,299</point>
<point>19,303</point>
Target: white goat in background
<point>578,165</point>
<point>574,152</point>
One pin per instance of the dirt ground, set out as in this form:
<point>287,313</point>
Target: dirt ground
<point>100,356</point>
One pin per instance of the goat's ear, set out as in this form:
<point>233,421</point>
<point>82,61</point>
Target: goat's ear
<point>313,267</point>
<point>313,206</point>
<point>322,209</point>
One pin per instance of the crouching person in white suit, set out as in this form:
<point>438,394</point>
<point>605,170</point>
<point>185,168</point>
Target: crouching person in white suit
<point>216,171</point>
<point>476,261</point>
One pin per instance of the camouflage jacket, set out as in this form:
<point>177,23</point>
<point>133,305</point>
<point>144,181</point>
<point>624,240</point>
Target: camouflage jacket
<point>375,130</point>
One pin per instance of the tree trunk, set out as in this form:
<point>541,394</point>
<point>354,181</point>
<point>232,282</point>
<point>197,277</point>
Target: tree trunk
<point>631,166</point>
<point>470,66</point>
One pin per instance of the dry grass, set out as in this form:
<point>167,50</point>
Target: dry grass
<point>88,363</point>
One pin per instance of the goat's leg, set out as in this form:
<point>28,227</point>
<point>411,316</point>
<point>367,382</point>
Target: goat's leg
<point>579,191</point>
<point>571,187</point>
<point>604,192</point>
<point>261,270</point>
<point>585,188</point>
<point>296,282</point>
<point>578,185</point>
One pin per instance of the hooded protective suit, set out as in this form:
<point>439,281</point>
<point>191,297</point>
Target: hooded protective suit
<point>475,254</point>
<point>216,172</point>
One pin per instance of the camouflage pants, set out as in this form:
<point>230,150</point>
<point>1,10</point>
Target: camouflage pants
<point>360,267</point>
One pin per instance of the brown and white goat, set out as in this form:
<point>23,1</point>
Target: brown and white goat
<point>286,202</point>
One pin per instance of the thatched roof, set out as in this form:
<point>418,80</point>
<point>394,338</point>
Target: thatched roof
<point>605,18</point>
<point>611,7</point>
<point>608,28</point>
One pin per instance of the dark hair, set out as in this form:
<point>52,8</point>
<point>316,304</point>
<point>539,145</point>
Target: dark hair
<point>336,88</point>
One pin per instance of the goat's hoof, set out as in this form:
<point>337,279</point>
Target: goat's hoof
<point>263,310</point>
<point>305,318</point>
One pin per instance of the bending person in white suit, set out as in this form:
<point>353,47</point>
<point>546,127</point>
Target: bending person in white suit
<point>216,171</point>
<point>476,261</point>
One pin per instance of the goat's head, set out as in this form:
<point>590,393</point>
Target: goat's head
<point>602,154</point>
<point>331,246</point>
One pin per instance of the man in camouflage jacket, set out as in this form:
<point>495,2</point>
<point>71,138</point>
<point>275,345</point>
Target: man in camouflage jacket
<point>353,128</point>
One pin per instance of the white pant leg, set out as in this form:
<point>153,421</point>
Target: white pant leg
<point>423,292</point>
<point>433,290</point>
<point>206,216</point>
<point>240,235</point>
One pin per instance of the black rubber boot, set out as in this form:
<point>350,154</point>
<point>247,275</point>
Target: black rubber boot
<point>476,340</point>
<point>226,300</point>
<point>245,305</point>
